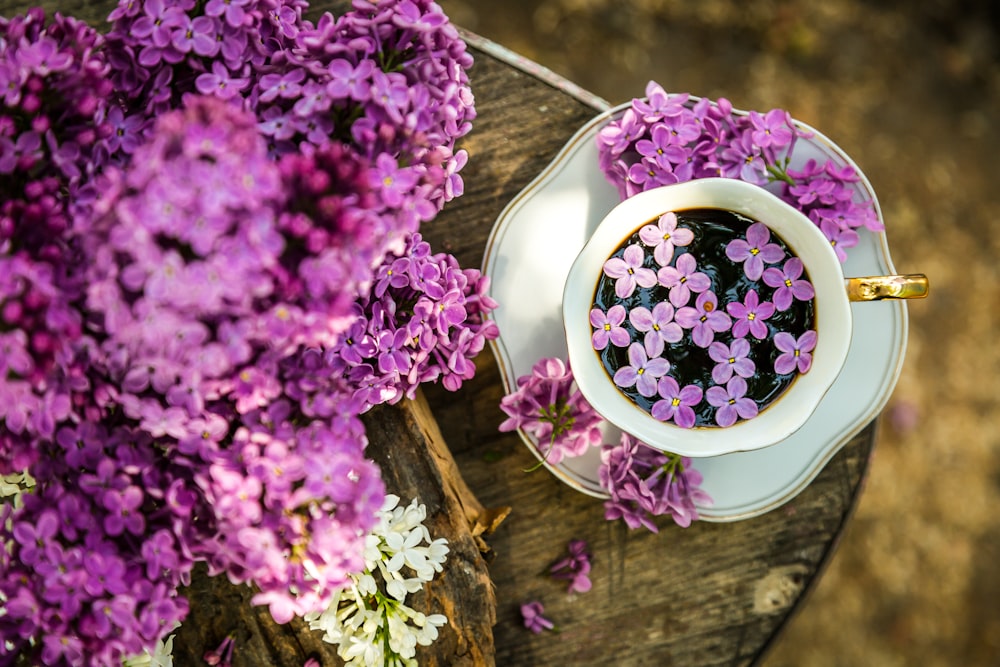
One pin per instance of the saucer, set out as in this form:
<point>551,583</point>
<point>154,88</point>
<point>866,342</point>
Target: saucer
<point>535,241</point>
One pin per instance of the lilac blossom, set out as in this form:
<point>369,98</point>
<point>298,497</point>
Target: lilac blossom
<point>730,359</point>
<point>683,279</point>
<point>643,483</point>
<point>658,325</point>
<point>642,371</point>
<point>548,406</point>
<point>531,616</point>
<point>788,284</point>
<point>608,327</point>
<point>629,272</point>
<point>667,138</point>
<point>575,567</point>
<point>755,251</point>
<point>796,354</point>
<point>731,401</point>
<point>676,403</point>
<point>750,315</point>
<point>704,320</point>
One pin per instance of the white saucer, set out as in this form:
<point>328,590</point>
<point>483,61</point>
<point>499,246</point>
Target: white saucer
<point>528,256</point>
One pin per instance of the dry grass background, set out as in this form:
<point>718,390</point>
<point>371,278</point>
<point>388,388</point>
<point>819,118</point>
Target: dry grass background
<point>912,91</point>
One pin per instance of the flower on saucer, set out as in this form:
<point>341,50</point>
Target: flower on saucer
<point>682,279</point>
<point>731,402</point>
<point>550,408</point>
<point>642,372</point>
<point>644,482</point>
<point>796,354</point>
<point>733,358</point>
<point>664,236</point>
<point>629,271</point>
<point>755,251</point>
<point>750,316</point>
<point>658,325</point>
<point>704,319</point>
<point>676,403</point>
<point>608,327</point>
<point>789,284</point>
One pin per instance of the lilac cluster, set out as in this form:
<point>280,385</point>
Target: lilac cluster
<point>192,418</point>
<point>548,406</point>
<point>575,567</point>
<point>663,139</point>
<point>388,81</point>
<point>52,89</point>
<point>687,320</point>
<point>644,482</point>
<point>423,321</point>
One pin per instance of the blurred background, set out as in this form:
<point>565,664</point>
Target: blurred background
<point>911,90</point>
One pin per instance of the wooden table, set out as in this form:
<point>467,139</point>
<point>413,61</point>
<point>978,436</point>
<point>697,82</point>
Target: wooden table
<point>711,594</point>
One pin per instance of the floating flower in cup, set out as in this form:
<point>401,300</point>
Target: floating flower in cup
<point>629,271</point>
<point>788,284</point>
<point>664,236</point>
<point>676,403</point>
<point>682,279</point>
<point>658,325</point>
<point>732,358</point>
<point>704,319</point>
<point>731,401</point>
<point>755,250</point>
<point>642,371</point>
<point>795,354</point>
<point>750,315</point>
<point>608,327</point>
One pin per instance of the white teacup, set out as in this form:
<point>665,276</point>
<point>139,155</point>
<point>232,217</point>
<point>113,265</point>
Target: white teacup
<point>832,316</point>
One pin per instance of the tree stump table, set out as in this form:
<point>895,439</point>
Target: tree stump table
<point>711,594</point>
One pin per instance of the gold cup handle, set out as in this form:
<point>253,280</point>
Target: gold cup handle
<point>876,288</point>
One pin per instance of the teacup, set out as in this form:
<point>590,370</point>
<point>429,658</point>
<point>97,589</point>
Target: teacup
<point>828,314</point>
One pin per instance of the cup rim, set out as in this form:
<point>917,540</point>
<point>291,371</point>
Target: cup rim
<point>792,409</point>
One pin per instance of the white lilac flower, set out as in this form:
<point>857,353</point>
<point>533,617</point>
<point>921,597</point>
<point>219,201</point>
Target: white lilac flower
<point>369,620</point>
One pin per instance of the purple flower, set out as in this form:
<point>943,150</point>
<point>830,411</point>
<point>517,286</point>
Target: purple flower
<point>658,325</point>
<point>788,283</point>
<point>629,271</point>
<point>392,182</point>
<point>731,401</point>
<point>742,159</point>
<point>608,327</point>
<point>772,130</point>
<point>676,403</point>
<point>664,236</point>
<point>231,10</point>
<point>704,319</point>
<point>682,279</point>
<point>731,359</point>
<point>575,567</point>
<point>220,82</point>
<point>531,614</point>
<point>796,354</point>
<point>547,406</point>
<point>840,237</point>
<point>755,251</point>
<point>750,316</point>
<point>642,372</point>
<point>643,482</point>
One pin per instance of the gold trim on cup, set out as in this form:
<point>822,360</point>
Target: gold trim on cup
<point>876,288</point>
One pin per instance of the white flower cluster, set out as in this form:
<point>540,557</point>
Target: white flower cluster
<point>162,656</point>
<point>13,485</point>
<point>368,620</point>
